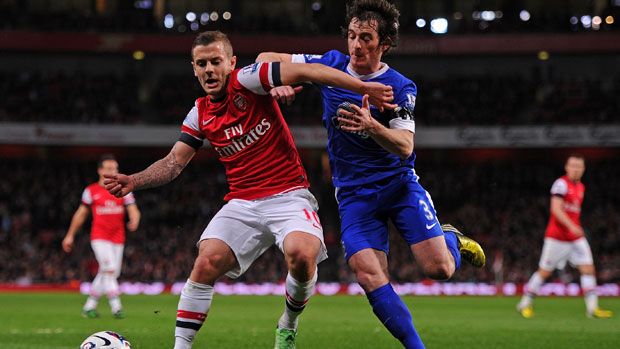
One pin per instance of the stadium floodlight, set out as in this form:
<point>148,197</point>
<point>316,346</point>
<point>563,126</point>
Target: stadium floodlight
<point>596,22</point>
<point>190,16</point>
<point>457,15</point>
<point>169,21</point>
<point>574,20</point>
<point>439,25</point>
<point>194,26</point>
<point>487,16</point>
<point>499,14</point>
<point>226,15</point>
<point>316,6</point>
<point>586,21</point>
<point>609,20</point>
<point>214,16</point>
<point>420,22</point>
<point>204,18</point>
<point>524,15</point>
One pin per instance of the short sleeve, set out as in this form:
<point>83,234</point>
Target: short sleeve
<point>190,130</point>
<point>559,187</point>
<point>87,199</point>
<point>331,58</point>
<point>260,77</point>
<point>129,199</point>
<point>403,116</point>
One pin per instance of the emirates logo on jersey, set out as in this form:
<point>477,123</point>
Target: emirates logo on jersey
<point>245,140</point>
<point>240,102</point>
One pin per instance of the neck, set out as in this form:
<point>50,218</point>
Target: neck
<point>365,70</point>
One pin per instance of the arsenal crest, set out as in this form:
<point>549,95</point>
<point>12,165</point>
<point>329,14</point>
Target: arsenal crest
<point>240,102</point>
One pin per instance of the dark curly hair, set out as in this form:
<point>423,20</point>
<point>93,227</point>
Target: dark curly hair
<point>385,13</point>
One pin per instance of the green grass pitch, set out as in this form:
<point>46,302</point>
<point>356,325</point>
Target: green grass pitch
<point>53,321</point>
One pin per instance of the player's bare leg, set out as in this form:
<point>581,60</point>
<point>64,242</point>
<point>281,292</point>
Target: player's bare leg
<point>300,252</point>
<point>434,258</point>
<point>469,249</point>
<point>214,259</point>
<point>588,286</point>
<point>525,306</point>
<point>370,268</point>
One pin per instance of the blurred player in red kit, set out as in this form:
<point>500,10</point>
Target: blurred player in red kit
<point>107,236</point>
<point>565,241</point>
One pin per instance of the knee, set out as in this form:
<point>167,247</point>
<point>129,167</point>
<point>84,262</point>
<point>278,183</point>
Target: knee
<point>209,268</point>
<point>370,281</point>
<point>439,269</point>
<point>301,260</point>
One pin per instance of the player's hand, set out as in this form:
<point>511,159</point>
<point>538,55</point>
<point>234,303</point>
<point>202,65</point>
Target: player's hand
<point>380,95</point>
<point>118,185</point>
<point>576,230</point>
<point>67,244</point>
<point>132,225</point>
<point>358,120</point>
<point>285,94</point>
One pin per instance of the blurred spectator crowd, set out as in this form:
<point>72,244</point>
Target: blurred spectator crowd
<point>502,203</point>
<point>298,17</point>
<point>473,100</point>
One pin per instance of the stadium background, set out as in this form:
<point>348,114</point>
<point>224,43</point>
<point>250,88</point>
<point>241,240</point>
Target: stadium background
<point>504,96</point>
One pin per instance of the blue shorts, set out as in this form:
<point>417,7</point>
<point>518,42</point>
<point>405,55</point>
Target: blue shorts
<point>365,210</point>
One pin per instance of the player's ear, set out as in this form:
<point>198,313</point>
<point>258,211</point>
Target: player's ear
<point>194,68</point>
<point>233,62</point>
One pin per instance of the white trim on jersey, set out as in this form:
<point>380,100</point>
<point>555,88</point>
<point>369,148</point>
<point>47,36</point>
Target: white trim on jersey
<point>129,199</point>
<point>298,58</point>
<point>250,77</point>
<point>398,123</point>
<point>86,197</point>
<point>383,69</point>
<point>559,187</point>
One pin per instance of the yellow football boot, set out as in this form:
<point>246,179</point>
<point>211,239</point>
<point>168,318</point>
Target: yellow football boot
<point>526,312</point>
<point>471,251</point>
<point>599,313</point>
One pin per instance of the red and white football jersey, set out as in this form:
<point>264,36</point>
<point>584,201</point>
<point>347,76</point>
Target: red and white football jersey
<point>248,131</point>
<point>108,213</point>
<point>572,196</point>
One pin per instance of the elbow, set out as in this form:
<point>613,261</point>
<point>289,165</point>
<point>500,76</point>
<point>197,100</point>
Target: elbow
<point>406,150</point>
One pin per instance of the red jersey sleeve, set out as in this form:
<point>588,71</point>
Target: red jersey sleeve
<point>260,77</point>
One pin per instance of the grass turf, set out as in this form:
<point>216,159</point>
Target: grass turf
<point>53,321</point>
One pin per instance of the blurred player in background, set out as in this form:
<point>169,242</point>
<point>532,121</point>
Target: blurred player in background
<point>565,242</point>
<point>268,202</point>
<point>107,236</point>
<point>372,160</point>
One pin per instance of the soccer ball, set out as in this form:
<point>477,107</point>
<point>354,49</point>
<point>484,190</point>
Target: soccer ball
<point>105,340</point>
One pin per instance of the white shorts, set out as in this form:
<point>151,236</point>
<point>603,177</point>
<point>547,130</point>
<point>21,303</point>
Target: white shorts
<point>249,228</point>
<point>109,256</point>
<point>556,253</point>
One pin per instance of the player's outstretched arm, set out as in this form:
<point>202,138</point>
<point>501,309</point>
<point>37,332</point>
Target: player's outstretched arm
<point>379,95</point>
<point>396,141</point>
<point>159,173</point>
<point>78,219</point>
<point>274,57</point>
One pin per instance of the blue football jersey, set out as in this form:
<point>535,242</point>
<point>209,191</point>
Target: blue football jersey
<point>355,158</point>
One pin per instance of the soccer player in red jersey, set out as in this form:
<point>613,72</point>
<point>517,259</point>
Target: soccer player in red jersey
<point>565,241</point>
<point>268,202</point>
<point>107,236</point>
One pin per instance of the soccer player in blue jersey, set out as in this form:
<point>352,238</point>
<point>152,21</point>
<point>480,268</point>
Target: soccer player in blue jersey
<point>372,161</point>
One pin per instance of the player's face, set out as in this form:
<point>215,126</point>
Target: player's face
<point>212,66</point>
<point>364,47</point>
<point>108,167</point>
<point>575,167</point>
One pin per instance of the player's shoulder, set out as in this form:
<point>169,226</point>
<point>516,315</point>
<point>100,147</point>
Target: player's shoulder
<point>335,59</point>
<point>92,187</point>
<point>398,80</point>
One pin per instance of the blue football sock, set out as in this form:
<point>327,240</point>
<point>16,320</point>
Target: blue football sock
<point>453,246</point>
<point>395,316</point>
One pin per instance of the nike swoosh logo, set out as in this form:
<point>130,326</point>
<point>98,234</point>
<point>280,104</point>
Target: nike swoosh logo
<point>430,226</point>
<point>204,122</point>
<point>105,340</point>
